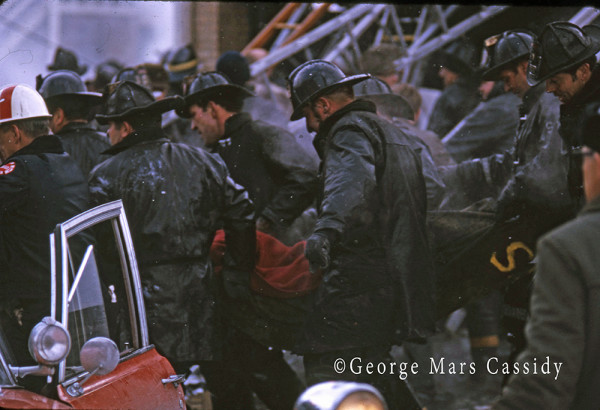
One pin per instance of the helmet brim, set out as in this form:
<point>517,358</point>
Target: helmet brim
<point>157,107</point>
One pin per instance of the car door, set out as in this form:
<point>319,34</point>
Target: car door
<point>97,292</point>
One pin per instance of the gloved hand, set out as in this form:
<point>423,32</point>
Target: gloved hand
<point>317,252</point>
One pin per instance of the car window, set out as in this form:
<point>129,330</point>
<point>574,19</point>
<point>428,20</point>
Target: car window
<point>87,313</point>
<point>97,297</point>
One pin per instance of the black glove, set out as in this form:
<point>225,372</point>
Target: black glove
<point>317,252</point>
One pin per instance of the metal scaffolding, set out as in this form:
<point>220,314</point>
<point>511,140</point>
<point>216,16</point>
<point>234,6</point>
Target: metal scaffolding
<point>417,37</point>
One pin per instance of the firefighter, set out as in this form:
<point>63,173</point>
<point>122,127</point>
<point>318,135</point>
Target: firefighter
<point>180,63</point>
<point>562,329</point>
<point>369,242</point>
<point>460,96</point>
<point>70,104</point>
<point>266,160</point>
<point>565,58</point>
<point>173,219</point>
<point>40,186</point>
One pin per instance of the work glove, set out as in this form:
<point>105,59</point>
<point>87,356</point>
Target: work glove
<point>317,252</point>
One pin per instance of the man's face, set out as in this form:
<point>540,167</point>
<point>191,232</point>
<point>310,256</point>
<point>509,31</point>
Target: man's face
<point>449,77</point>
<point>565,86</point>
<point>8,145</point>
<point>515,81</point>
<point>205,122</point>
<point>116,132</point>
<point>591,173</point>
<point>314,114</point>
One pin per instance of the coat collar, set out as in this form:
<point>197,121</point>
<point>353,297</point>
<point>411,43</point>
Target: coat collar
<point>75,126</point>
<point>136,137</point>
<point>356,105</point>
<point>235,123</point>
<point>45,144</point>
<point>592,206</point>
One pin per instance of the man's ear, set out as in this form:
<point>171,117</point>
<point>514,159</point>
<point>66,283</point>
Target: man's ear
<point>323,104</point>
<point>524,65</point>
<point>584,71</point>
<point>59,115</point>
<point>127,128</point>
<point>212,109</point>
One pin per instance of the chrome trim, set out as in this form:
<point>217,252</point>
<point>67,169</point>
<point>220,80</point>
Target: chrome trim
<point>135,274</point>
<point>128,286</point>
<point>52,277</point>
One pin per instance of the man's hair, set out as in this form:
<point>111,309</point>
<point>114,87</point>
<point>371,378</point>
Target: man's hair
<point>513,65</point>
<point>32,127</point>
<point>74,108</point>
<point>590,60</point>
<point>230,101</point>
<point>142,121</point>
<point>410,94</point>
<point>338,94</point>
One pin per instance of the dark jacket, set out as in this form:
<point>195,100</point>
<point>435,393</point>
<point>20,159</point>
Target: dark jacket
<point>489,129</point>
<point>176,197</point>
<point>433,182</point>
<point>271,165</point>
<point>84,144</point>
<point>531,180</point>
<point>565,321</point>
<point>372,205</point>
<point>456,101</point>
<point>40,186</point>
<point>571,125</point>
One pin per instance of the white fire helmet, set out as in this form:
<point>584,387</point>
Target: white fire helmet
<point>19,102</point>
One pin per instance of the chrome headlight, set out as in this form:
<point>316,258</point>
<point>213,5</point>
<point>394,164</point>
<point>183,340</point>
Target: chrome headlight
<point>49,342</point>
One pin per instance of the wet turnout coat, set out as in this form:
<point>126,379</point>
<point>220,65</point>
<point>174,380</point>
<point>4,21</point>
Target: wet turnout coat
<point>373,197</point>
<point>456,101</point>
<point>530,180</point>
<point>84,144</point>
<point>571,126</point>
<point>40,186</point>
<point>489,129</point>
<point>176,197</point>
<point>271,164</point>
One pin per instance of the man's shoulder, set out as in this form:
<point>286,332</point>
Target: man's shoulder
<point>568,235</point>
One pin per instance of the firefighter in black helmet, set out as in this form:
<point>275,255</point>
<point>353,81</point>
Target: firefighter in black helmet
<point>371,218</point>
<point>565,58</point>
<point>460,96</point>
<point>71,105</point>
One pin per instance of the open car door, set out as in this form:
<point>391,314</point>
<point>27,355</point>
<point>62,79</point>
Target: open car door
<point>96,293</point>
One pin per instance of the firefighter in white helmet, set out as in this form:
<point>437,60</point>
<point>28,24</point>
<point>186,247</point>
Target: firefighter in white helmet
<point>40,186</point>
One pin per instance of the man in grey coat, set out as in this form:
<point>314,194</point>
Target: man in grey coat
<point>564,328</point>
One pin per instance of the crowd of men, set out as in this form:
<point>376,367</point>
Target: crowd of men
<point>191,152</point>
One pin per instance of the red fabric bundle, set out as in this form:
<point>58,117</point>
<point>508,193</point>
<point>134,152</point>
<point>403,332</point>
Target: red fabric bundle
<point>281,271</point>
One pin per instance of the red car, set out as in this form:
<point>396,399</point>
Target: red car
<point>93,348</point>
